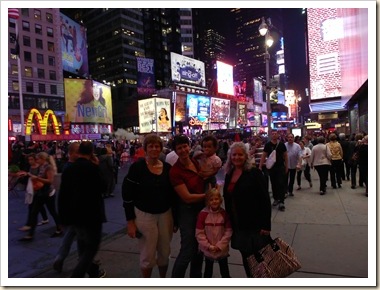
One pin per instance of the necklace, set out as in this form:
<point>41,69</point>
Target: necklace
<point>157,165</point>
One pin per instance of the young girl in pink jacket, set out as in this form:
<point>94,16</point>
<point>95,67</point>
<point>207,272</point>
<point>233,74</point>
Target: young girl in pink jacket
<point>213,232</point>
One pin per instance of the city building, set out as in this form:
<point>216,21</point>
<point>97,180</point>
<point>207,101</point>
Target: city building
<point>36,85</point>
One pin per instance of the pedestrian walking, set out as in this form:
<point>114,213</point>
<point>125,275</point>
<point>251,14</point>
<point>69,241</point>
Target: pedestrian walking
<point>363,162</point>
<point>44,193</point>
<point>81,205</point>
<point>294,156</point>
<point>320,160</point>
<point>336,161</point>
<point>278,172</point>
<point>304,166</point>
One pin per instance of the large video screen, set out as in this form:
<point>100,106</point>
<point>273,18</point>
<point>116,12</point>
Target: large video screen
<point>220,110</point>
<point>338,51</point>
<point>88,101</point>
<point>197,109</point>
<point>74,46</point>
<point>187,70</point>
<point>225,78</point>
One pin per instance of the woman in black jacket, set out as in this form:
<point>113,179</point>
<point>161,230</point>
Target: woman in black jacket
<point>247,202</point>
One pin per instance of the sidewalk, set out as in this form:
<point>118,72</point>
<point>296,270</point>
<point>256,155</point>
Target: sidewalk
<point>329,234</point>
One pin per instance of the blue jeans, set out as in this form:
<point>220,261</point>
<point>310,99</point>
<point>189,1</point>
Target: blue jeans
<point>89,238</point>
<point>67,241</point>
<point>189,253</point>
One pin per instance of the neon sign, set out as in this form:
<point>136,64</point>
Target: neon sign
<point>41,122</point>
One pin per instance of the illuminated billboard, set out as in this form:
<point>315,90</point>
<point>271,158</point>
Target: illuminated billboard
<point>257,91</point>
<point>338,51</point>
<point>197,109</point>
<point>225,78</point>
<point>74,46</point>
<point>220,110</point>
<point>240,88</point>
<point>146,81</point>
<point>88,101</point>
<point>154,115</point>
<point>187,70</point>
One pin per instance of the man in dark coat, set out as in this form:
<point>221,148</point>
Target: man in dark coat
<point>81,205</point>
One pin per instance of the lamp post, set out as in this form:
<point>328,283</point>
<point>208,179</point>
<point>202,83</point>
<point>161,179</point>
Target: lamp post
<point>264,31</point>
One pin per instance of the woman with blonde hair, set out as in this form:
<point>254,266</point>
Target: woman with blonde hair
<point>44,193</point>
<point>247,202</point>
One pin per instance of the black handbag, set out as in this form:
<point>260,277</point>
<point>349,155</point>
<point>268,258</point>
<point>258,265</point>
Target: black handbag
<point>275,260</point>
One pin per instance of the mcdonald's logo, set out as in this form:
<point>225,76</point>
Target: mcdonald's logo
<point>41,122</point>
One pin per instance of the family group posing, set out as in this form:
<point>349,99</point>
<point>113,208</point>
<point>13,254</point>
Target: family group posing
<point>160,198</point>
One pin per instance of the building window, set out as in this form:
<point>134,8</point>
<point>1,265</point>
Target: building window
<point>38,29</point>
<point>15,85</point>
<point>53,89</point>
<point>49,17</point>
<point>27,56</point>
<point>39,44</point>
<point>29,87</point>
<point>52,75</point>
<point>26,40</point>
<point>12,37</point>
<point>37,14</point>
<point>40,58</point>
<point>41,73</point>
<point>42,103</point>
<point>12,22</point>
<point>50,32</point>
<point>41,88</point>
<point>51,46</point>
<point>14,69</point>
<point>25,11</point>
<point>51,60</point>
<point>25,26</point>
<point>28,72</point>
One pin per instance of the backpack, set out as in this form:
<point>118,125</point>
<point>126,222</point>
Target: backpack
<point>271,160</point>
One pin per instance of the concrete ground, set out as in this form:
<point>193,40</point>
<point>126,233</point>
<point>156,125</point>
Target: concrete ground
<point>328,233</point>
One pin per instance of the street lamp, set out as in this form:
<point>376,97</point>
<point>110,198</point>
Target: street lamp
<point>264,31</point>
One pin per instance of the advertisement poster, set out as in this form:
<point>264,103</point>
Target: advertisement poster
<point>164,120</point>
<point>220,110</point>
<point>225,78</point>
<point>240,88</point>
<point>198,109</point>
<point>257,91</point>
<point>74,46</point>
<point>88,101</point>
<point>180,108</point>
<point>146,82</point>
<point>241,113</point>
<point>147,115</point>
<point>187,70</point>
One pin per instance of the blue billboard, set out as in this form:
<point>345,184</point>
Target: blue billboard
<point>197,109</point>
<point>74,46</point>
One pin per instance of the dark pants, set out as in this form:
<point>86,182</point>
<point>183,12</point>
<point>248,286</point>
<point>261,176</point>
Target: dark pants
<point>40,201</point>
<point>188,253</point>
<point>278,181</point>
<point>354,168</point>
<point>290,177</point>
<point>323,173</point>
<point>42,212</point>
<point>306,173</point>
<point>223,267</point>
<point>89,238</point>
<point>335,172</point>
<point>68,239</point>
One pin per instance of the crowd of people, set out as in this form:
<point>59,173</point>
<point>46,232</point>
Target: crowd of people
<point>182,193</point>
